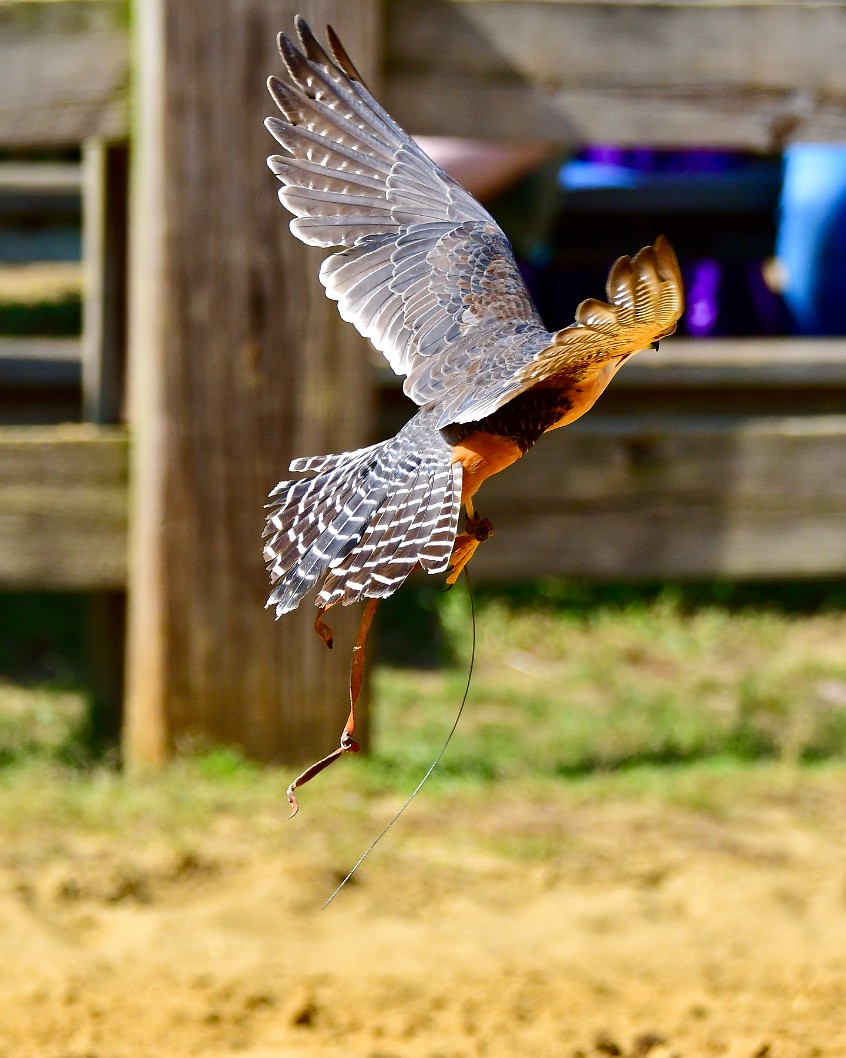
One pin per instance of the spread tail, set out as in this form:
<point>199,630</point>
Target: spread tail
<point>362,520</point>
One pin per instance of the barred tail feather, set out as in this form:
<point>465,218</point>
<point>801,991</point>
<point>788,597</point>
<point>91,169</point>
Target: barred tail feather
<point>313,464</point>
<point>364,519</point>
<point>435,556</point>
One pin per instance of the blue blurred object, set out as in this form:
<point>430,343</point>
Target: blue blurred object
<point>581,174</point>
<point>811,243</point>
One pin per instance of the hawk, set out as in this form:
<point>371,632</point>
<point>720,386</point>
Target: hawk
<point>424,272</point>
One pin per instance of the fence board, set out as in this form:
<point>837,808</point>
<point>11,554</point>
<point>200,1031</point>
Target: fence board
<point>63,504</point>
<point>610,497</point>
<point>674,73</point>
<point>64,72</point>
<point>709,72</point>
<point>738,363</point>
<point>668,497</point>
<point>675,543</point>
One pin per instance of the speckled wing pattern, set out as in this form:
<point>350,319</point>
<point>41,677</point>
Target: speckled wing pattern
<point>427,275</point>
<point>645,301</point>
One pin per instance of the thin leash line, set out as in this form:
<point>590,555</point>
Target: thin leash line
<point>434,763</point>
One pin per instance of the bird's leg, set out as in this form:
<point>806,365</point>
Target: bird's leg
<point>348,743</point>
<point>476,531</point>
<point>322,629</point>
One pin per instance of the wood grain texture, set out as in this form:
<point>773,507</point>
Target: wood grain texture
<point>609,497</point>
<point>663,73</point>
<point>673,497</point>
<point>64,71</point>
<point>238,364</point>
<point>660,72</point>
<point>735,363</point>
<point>725,363</point>
<point>63,507</point>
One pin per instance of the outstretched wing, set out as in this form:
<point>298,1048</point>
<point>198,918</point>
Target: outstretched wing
<point>645,301</point>
<point>427,275</point>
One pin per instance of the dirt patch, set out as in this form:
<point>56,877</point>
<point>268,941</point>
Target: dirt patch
<point>536,929</point>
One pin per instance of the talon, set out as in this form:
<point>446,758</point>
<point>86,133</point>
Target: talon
<point>476,531</point>
<point>479,528</point>
<point>348,745</point>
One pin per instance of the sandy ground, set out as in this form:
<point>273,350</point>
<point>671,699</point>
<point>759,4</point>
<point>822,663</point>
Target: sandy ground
<point>517,929</point>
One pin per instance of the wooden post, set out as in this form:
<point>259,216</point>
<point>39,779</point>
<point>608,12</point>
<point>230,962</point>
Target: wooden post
<point>237,364</point>
<point>104,223</point>
<point>104,217</point>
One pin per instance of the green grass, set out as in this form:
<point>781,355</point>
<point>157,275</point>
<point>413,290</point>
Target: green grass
<point>566,686</point>
<point>685,695</point>
<point>44,709</point>
<point>49,803</point>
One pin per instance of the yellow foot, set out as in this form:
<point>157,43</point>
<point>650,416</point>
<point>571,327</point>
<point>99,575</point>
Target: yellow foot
<point>476,531</point>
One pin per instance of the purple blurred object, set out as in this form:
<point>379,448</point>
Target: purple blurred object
<point>649,160</point>
<point>702,283</point>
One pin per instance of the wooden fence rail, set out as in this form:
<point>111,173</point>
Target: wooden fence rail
<point>673,73</point>
<point>655,482</point>
<point>673,497</point>
<point>63,507</point>
<point>611,498</point>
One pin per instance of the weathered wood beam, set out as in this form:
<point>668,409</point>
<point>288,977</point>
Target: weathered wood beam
<point>734,363</point>
<point>64,71</point>
<point>609,497</point>
<point>668,73</point>
<point>40,179</point>
<point>238,363</point>
<point>683,363</point>
<point>673,497</point>
<point>725,364</point>
<point>63,504</point>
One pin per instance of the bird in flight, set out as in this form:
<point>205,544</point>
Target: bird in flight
<point>424,272</point>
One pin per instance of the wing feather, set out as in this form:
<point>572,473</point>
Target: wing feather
<point>645,300</point>
<point>354,179</point>
<point>425,272</point>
